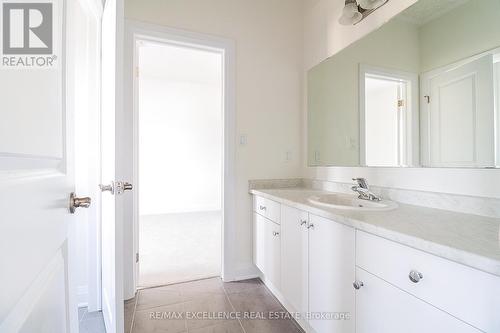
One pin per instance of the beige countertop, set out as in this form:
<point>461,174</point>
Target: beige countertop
<point>471,240</point>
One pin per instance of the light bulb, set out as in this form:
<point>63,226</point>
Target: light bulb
<point>350,14</point>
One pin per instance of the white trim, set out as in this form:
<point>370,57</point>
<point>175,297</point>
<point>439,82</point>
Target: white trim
<point>413,136</point>
<point>90,294</point>
<point>82,293</point>
<point>142,31</point>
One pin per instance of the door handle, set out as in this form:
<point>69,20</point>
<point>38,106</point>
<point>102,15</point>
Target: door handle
<point>110,187</point>
<point>75,202</point>
<point>116,187</point>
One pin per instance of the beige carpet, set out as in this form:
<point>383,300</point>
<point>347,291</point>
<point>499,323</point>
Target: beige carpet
<point>179,247</point>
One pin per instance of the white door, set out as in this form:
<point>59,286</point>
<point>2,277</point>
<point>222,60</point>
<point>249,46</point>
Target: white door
<point>459,121</point>
<point>383,308</point>
<point>37,231</point>
<point>294,257</point>
<point>331,274</point>
<point>112,198</point>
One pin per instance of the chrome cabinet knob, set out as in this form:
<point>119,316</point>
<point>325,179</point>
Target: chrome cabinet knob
<point>75,202</point>
<point>357,284</point>
<point>275,233</point>
<point>415,276</point>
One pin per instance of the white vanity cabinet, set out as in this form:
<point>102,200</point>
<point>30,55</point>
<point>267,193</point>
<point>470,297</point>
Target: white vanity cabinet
<point>267,252</point>
<point>331,274</point>
<point>312,263</point>
<point>267,239</point>
<point>450,297</point>
<point>294,259</point>
<point>383,308</point>
<point>317,266</point>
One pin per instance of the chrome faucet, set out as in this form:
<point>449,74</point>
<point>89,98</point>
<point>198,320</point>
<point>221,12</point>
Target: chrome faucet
<point>363,190</point>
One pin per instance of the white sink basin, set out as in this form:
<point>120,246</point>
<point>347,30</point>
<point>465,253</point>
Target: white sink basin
<point>351,202</point>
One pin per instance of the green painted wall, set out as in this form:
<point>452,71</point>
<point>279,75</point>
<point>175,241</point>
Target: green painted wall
<point>332,98</point>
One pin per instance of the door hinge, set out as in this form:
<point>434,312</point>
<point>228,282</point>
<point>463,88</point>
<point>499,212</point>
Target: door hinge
<point>401,103</point>
<point>428,98</point>
<point>137,257</point>
<point>136,71</point>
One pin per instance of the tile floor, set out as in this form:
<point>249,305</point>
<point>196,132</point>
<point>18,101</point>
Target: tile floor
<point>90,322</point>
<point>179,247</point>
<point>172,308</point>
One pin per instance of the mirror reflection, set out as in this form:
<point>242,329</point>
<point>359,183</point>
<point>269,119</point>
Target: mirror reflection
<point>422,90</point>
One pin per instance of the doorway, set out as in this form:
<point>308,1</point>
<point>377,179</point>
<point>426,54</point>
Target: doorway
<point>180,162</point>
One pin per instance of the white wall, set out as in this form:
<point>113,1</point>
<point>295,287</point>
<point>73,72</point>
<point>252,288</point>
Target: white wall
<point>180,130</point>
<point>324,37</point>
<point>268,37</point>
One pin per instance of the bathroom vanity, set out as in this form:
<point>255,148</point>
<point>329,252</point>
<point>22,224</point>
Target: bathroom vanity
<point>404,269</point>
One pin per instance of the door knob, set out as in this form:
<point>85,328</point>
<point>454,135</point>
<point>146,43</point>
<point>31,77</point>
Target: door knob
<point>121,187</point>
<point>116,187</point>
<point>75,202</point>
<point>357,284</point>
<point>110,188</point>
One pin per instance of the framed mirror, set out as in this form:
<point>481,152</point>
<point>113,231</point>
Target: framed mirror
<point>421,91</point>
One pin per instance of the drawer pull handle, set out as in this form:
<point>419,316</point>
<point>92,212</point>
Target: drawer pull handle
<point>262,207</point>
<point>357,284</point>
<point>303,222</point>
<point>275,233</point>
<point>415,276</point>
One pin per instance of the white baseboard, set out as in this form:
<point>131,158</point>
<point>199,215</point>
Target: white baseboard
<point>243,273</point>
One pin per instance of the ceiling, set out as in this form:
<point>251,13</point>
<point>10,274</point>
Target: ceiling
<point>425,11</point>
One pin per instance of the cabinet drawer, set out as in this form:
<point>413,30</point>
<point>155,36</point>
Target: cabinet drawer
<point>383,308</point>
<point>267,208</point>
<point>466,293</point>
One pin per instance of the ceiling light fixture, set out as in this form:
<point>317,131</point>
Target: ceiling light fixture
<point>355,11</point>
<point>350,13</point>
<point>371,4</point>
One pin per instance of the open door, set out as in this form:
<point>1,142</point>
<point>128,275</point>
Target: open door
<point>37,227</point>
<point>112,190</point>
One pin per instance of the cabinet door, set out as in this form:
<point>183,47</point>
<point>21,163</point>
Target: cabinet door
<point>272,255</point>
<point>294,258</point>
<point>331,274</point>
<point>383,308</point>
<point>259,244</point>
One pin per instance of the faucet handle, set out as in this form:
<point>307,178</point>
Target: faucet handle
<point>361,182</point>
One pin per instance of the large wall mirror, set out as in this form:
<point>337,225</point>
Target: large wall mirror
<point>422,90</point>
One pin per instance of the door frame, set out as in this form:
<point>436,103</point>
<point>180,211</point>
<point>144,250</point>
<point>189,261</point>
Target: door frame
<point>135,31</point>
<point>412,154</point>
<point>90,294</point>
